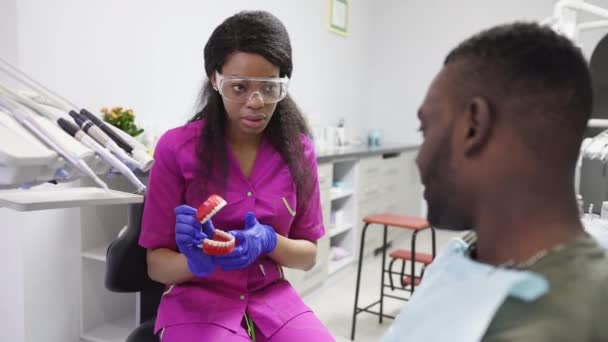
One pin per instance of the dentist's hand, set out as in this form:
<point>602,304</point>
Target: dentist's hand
<point>255,240</point>
<point>189,235</point>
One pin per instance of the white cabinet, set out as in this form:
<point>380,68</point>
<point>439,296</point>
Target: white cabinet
<point>105,316</point>
<point>341,225</point>
<point>305,281</point>
<point>387,183</point>
<point>352,189</point>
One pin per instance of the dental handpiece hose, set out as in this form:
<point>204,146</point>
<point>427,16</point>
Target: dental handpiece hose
<point>58,101</point>
<point>43,135</point>
<point>96,133</point>
<point>107,130</point>
<point>81,136</point>
<point>139,157</point>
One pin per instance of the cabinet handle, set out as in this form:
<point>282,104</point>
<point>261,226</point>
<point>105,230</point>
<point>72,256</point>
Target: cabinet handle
<point>391,155</point>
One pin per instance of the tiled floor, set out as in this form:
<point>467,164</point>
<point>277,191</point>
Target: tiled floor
<point>333,302</point>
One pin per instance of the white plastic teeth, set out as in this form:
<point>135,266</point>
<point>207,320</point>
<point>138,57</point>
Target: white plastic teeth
<point>215,243</point>
<point>217,208</point>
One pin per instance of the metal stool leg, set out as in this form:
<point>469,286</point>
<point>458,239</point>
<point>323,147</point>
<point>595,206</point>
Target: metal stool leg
<point>434,244</point>
<point>413,261</point>
<point>352,332</point>
<point>402,273</point>
<point>390,274</point>
<point>382,275</point>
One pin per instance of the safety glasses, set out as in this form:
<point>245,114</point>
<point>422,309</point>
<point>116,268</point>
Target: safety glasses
<point>240,89</point>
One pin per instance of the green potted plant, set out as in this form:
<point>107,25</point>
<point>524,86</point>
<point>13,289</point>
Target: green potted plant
<point>122,118</point>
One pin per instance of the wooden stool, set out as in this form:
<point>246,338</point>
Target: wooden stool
<point>415,224</point>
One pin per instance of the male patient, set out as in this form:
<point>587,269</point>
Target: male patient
<point>502,123</point>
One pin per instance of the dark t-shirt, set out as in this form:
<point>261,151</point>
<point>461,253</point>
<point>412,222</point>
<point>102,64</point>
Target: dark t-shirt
<point>574,309</point>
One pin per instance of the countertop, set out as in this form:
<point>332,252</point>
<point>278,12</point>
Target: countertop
<point>361,151</point>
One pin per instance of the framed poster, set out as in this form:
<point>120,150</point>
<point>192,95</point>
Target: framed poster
<point>338,16</point>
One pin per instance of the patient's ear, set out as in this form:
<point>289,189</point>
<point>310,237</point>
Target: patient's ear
<point>478,123</point>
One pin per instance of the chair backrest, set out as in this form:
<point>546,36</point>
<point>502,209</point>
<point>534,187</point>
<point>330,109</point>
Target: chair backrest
<point>127,268</point>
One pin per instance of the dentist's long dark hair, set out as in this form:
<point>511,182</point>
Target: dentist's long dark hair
<point>261,33</point>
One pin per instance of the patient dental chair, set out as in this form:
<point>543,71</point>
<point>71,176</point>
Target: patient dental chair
<point>126,271</point>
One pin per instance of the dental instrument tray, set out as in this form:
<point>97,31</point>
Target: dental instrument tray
<point>42,199</point>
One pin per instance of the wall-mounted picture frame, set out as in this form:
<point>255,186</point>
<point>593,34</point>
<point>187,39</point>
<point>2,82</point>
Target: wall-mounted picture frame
<point>339,16</point>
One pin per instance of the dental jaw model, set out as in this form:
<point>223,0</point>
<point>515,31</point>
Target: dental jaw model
<point>221,243</point>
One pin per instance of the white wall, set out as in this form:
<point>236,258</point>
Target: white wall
<point>149,55</point>
<point>412,39</point>
<point>8,30</point>
<point>11,298</point>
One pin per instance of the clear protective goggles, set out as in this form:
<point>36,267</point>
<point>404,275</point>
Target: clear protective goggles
<point>240,89</point>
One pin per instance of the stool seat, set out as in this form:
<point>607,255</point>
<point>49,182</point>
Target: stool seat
<point>396,220</point>
<point>405,254</point>
<point>407,281</point>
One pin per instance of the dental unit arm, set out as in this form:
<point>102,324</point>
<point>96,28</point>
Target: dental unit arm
<point>565,13</point>
<point>44,96</point>
<point>566,20</point>
<point>50,139</point>
<point>38,144</point>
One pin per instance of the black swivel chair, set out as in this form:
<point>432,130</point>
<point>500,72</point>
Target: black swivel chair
<point>127,271</point>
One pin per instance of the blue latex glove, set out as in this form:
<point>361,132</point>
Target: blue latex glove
<point>255,240</point>
<point>189,235</point>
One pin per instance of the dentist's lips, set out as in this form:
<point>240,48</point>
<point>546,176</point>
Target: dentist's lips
<point>254,121</point>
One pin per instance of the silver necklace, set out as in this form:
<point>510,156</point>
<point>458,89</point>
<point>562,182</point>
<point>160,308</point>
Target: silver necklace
<point>533,260</point>
<point>471,240</point>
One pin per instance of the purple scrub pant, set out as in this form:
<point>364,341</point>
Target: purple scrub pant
<point>302,328</point>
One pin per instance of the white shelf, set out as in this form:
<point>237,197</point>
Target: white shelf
<point>98,254</point>
<point>335,266</point>
<point>115,331</point>
<point>337,194</point>
<point>339,229</point>
<point>27,200</point>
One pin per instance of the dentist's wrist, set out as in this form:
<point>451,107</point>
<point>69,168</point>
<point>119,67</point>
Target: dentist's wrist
<point>197,271</point>
<point>270,243</point>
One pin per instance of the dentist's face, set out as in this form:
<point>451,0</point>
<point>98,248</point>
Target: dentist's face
<point>253,116</point>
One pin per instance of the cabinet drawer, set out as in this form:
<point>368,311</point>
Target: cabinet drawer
<point>410,170</point>
<point>369,194</point>
<point>314,278</point>
<point>295,278</point>
<point>325,172</point>
<point>323,249</point>
<point>370,165</point>
<point>305,281</point>
<point>373,237</point>
<point>369,172</point>
<point>326,206</point>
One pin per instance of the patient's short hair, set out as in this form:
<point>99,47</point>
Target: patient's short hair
<point>534,79</point>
